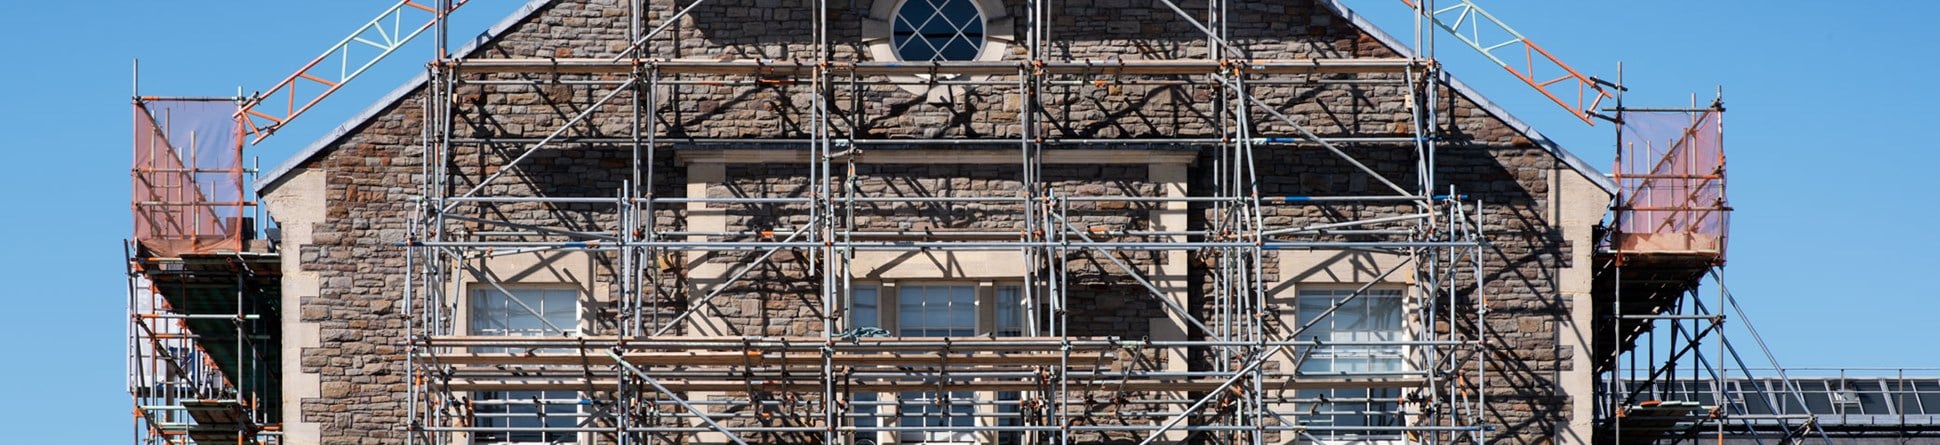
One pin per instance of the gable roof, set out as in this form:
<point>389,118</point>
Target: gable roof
<point>1483,102</point>
<point>276,175</point>
<point>316,148</point>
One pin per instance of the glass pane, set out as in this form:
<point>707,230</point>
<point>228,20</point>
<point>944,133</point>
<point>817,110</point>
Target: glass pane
<point>960,12</point>
<point>862,312</point>
<point>864,411</point>
<point>1009,311</point>
<point>561,308</point>
<point>930,30</point>
<point>1928,393</point>
<point>1309,308</point>
<point>1755,402</point>
<point>1384,310</point>
<point>962,314</point>
<point>963,295</point>
<point>527,409</point>
<point>937,311</point>
<point>1351,313</point>
<point>958,48</point>
<point>1817,399</point>
<point>1873,398</point>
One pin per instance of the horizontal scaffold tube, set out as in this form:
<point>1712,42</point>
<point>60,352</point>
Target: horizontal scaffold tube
<point>930,199</point>
<point>924,374</point>
<point>1075,427</point>
<point>932,344</point>
<point>946,245</point>
<point>816,385</point>
<point>1075,399</point>
<point>770,68</point>
<point>1008,142</point>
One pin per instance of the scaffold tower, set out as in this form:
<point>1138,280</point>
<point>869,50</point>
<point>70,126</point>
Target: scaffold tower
<point>202,289</point>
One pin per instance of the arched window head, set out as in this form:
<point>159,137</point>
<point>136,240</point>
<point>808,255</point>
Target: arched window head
<point>937,30</point>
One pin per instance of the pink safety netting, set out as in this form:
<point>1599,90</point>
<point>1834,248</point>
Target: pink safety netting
<point>1671,170</point>
<point>188,177</point>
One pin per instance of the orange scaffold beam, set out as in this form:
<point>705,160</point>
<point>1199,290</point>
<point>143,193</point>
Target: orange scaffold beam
<point>1476,27</point>
<point>329,71</point>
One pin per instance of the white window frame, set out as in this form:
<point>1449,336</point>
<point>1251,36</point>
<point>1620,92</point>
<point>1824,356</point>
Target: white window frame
<point>878,37</point>
<point>1360,402</point>
<point>982,41</point>
<point>552,399</point>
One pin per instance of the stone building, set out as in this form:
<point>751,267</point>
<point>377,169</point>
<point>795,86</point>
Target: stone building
<point>1097,221</point>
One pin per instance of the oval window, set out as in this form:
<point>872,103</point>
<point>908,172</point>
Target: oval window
<point>933,30</point>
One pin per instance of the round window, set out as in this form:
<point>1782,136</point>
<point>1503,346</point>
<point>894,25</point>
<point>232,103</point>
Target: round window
<point>933,30</point>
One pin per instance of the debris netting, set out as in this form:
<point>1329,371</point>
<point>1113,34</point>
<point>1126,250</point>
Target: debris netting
<point>1671,169</point>
<point>188,177</point>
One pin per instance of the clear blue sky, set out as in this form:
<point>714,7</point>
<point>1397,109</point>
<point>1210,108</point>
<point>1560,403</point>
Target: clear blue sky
<point>1829,107</point>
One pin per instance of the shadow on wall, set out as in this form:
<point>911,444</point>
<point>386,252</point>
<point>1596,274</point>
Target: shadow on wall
<point>1082,29</point>
<point>1511,177</point>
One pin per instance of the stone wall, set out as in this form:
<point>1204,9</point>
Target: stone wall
<point>1125,106</point>
<point>371,174</point>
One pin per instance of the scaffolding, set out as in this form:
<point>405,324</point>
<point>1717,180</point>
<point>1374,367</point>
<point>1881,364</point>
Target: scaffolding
<point>203,329</point>
<point>645,378</point>
<point>1669,373</point>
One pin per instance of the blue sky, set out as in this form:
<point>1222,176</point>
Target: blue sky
<point>1826,134</point>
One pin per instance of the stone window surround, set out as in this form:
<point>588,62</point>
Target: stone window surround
<point>461,315</point>
<point>886,304</point>
<point>555,270</point>
<point>1406,293</point>
<point>461,320</point>
<point>1288,296</point>
<point>877,36</point>
<point>1286,299</point>
<point>1167,168</point>
<point>986,298</point>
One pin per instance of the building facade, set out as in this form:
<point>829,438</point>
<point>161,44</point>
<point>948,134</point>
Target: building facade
<point>935,221</point>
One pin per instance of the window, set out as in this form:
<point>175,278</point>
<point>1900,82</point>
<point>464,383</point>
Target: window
<point>922,31</point>
<point>937,30</point>
<point>938,310</point>
<point>1374,316</point>
<point>864,309</point>
<point>933,410</point>
<point>524,312</point>
<point>527,312</point>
